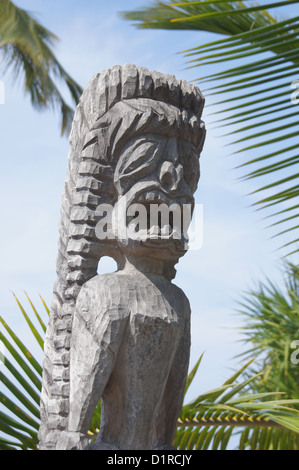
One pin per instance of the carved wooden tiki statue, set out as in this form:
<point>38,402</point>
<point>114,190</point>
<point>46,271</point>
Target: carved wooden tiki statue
<point>122,338</point>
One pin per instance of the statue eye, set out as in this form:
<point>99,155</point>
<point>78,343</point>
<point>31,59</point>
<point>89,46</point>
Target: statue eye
<point>138,158</point>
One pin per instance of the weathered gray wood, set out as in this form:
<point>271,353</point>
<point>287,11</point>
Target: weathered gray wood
<point>122,338</point>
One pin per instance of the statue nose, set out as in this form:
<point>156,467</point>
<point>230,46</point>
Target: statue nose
<point>170,175</point>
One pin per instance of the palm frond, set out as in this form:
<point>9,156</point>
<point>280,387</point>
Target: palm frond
<point>271,324</point>
<point>265,419</point>
<point>26,49</point>
<point>20,374</point>
<point>263,46</point>
<point>213,418</point>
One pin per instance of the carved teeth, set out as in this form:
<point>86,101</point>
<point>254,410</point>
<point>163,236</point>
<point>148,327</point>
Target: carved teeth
<point>141,197</point>
<point>155,196</point>
<point>166,231</point>
<point>150,196</point>
<point>154,231</point>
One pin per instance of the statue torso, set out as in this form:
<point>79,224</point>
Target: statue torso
<point>140,322</point>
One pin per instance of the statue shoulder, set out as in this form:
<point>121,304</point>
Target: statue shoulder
<point>104,290</point>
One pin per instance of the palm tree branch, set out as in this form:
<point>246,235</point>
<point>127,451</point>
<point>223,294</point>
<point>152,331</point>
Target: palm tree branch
<point>26,47</point>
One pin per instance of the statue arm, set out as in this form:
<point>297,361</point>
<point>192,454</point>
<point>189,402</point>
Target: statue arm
<point>97,334</point>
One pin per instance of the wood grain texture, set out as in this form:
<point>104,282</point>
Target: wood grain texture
<point>118,106</point>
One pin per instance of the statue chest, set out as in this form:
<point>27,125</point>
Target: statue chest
<point>150,313</point>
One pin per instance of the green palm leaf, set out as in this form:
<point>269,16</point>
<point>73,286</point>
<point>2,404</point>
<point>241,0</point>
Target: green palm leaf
<point>271,315</point>
<point>209,421</point>
<point>212,419</point>
<point>264,46</point>
<point>20,374</point>
<point>26,49</point>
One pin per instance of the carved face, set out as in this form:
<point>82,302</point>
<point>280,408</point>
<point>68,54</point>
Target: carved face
<point>152,171</point>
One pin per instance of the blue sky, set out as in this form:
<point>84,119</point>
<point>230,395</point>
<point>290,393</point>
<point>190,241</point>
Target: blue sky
<point>237,250</point>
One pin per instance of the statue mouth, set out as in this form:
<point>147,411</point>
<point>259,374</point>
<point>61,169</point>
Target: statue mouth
<point>157,196</point>
<point>161,219</point>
